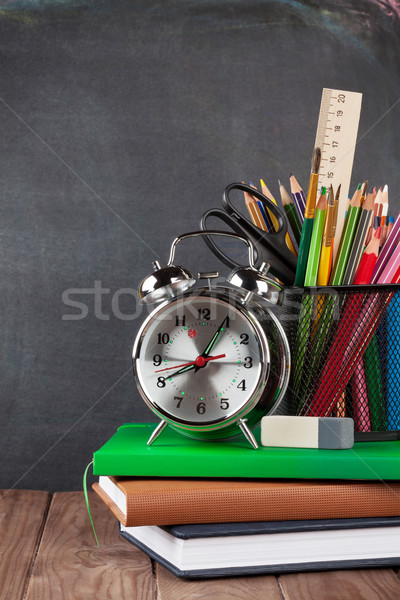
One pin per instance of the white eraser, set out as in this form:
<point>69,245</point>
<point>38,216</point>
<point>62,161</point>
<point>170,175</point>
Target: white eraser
<point>332,433</point>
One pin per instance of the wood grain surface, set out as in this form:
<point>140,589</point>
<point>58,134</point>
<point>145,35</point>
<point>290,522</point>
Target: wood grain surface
<point>363,584</point>
<point>256,587</point>
<point>70,566</point>
<point>22,516</point>
<point>50,553</point>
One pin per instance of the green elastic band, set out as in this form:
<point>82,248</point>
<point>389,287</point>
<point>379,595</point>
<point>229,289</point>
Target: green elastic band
<point>87,501</point>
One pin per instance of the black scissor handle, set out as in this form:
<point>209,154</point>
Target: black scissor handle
<point>228,220</point>
<point>270,246</point>
<point>268,204</point>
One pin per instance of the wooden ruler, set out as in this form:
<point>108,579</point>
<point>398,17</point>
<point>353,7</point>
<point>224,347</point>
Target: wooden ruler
<point>337,129</point>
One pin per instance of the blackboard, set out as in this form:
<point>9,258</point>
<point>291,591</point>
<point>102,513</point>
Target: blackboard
<point>121,123</point>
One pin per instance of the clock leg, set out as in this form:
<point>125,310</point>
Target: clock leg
<point>247,433</point>
<point>160,427</point>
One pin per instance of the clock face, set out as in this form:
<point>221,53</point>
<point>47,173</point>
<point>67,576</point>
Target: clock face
<point>199,360</point>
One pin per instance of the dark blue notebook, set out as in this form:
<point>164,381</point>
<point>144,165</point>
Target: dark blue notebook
<point>227,549</point>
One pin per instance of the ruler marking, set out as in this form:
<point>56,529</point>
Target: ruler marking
<point>337,134</point>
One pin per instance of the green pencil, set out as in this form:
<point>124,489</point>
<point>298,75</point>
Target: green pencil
<point>306,231</point>
<point>316,241</point>
<point>346,240</point>
<point>291,212</point>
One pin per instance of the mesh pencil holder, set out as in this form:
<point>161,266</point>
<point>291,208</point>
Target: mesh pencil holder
<point>345,346</point>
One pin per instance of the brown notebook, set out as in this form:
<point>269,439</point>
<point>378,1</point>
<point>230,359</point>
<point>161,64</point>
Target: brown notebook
<point>137,501</point>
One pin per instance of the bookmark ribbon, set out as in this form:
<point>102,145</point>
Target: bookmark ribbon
<point>87,501</point>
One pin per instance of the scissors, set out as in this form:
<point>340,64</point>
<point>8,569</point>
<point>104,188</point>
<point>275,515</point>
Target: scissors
<point>270,246</point>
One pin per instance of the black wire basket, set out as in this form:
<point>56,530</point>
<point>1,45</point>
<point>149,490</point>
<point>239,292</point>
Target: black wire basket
<point>345,346</point>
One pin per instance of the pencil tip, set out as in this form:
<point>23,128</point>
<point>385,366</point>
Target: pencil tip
<point>364,188</point>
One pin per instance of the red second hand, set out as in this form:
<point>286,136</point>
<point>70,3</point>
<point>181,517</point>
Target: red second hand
<point>199,362</point>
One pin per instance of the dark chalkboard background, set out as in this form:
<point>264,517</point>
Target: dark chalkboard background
<point>120,123</point>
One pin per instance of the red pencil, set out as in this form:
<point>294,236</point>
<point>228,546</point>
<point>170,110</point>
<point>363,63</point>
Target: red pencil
<point>368,260</point>
<point>396,278</point>
<point>322,403</point>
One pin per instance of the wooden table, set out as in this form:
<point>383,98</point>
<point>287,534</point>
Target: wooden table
<point>48,551</point>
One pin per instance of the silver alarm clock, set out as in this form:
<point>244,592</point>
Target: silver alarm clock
<point>211,361</point>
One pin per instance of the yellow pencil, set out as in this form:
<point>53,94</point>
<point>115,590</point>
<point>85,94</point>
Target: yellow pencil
<point>267,193</point>
<point>335,218</point>
<point>325,261</point>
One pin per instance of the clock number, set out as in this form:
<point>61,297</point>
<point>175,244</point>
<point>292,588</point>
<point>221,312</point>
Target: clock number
<point>203,313</point>
<point>244,337</point>
<point>180,320</point>
<point>224,405</point>
<point>242,385</point>
<point>161,382</point>
<point>248,362</point>
<point>157,360</point>
<point>179,399</point>
<point>163,338</point>
<point>201,408</point>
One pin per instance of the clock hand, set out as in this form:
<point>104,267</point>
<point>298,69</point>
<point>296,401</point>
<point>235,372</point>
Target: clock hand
<point>214,339</point>
<point>212,342</point>
<point>199,362</point>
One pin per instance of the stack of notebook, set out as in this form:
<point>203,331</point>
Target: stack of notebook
<point>208,509</point>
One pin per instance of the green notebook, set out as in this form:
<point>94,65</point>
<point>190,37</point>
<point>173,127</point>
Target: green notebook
<point>174,455</point>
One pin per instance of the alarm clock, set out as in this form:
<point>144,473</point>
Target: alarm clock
<point>211,360</point>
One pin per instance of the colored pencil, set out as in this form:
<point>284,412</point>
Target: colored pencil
<point>322,403</point>
<point>325,261</point>
<point>368,261</point>
<point>335,212</point>
<point>346,241</point>
<point>314,254</point>
<point>358,243</point>
<point>335,219</point>
<point>309,212</point>
<point>291,213</point>
<point>385,208</point>
<point>387,229</point>
<point>361,414</point>
<point>298,198</point>
<point>385,204</point>
<point>392,351</point>
<point>264,215</point>
<point>353,335</point>
<point>388,248</point>
<point>262,211</point>
<point>271,215</point>
<point>305,319</point>
<point>254,211</point>
<point>289,242</point>
<point>389,272</point>
<point>371,198</point>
